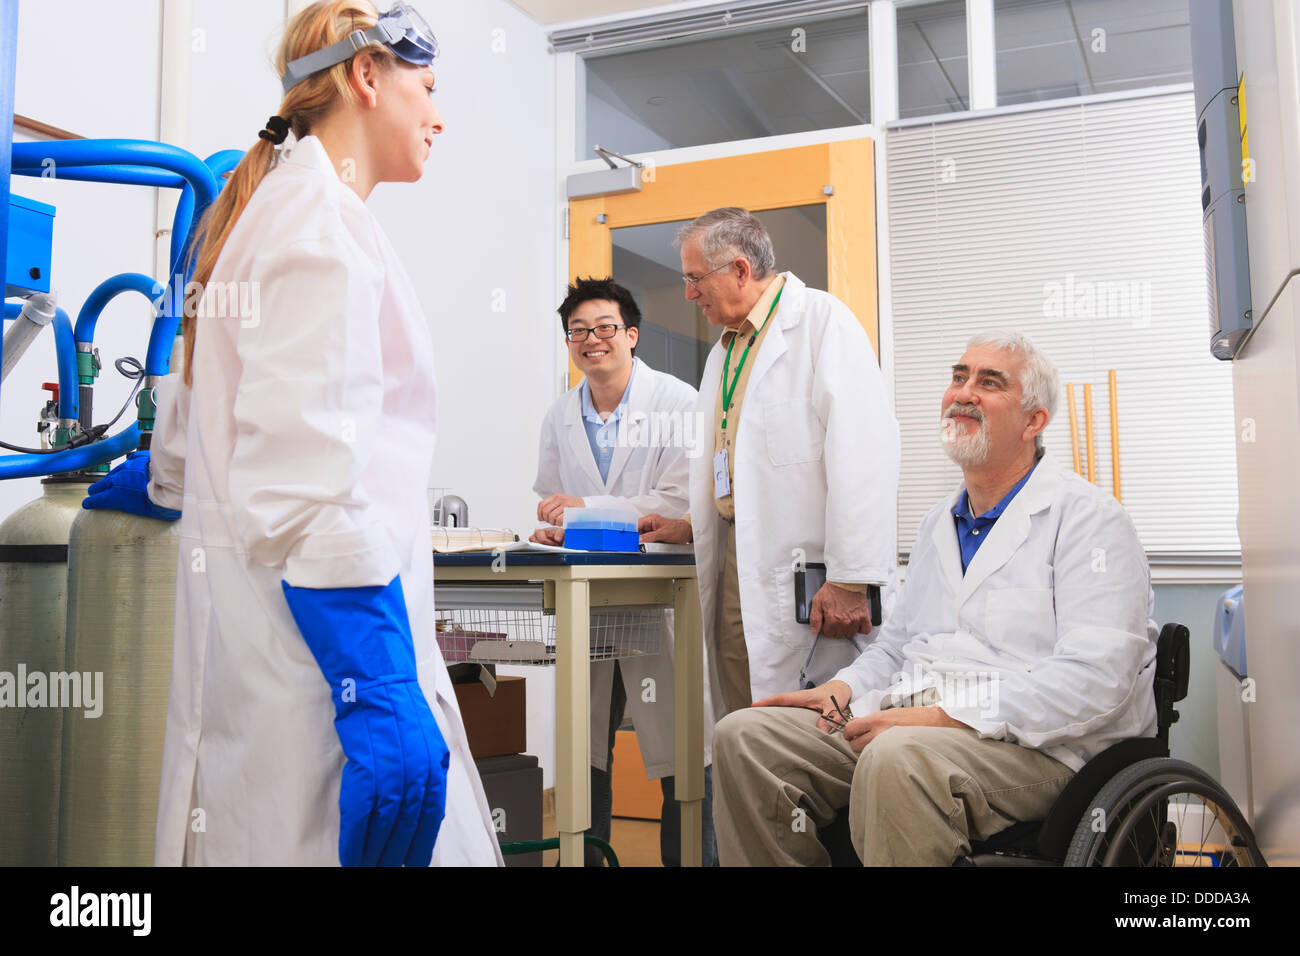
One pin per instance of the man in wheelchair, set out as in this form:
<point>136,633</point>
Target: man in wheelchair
<point>1020,646</point>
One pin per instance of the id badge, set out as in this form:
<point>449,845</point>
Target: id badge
<point>721,482</point>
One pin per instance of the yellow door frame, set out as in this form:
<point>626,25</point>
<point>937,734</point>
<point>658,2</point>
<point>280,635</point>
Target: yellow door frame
<point>769,180</point>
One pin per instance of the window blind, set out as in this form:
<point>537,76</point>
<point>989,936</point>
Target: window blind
<point>673,25</point>
<point>1080,226</point>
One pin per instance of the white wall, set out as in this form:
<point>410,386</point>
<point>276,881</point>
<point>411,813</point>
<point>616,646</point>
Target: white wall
<point>479,234</point>
<point>234,86</point>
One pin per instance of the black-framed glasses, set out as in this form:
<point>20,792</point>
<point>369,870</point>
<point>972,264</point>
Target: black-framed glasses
<point>840,718</point>
<point>602,332</point>
<point>694,283</point>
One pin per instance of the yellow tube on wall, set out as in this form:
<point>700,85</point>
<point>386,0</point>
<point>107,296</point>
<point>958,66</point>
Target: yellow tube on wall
<point>1114,439</point>
<point>1087,427</point>
<point>1074,426</point>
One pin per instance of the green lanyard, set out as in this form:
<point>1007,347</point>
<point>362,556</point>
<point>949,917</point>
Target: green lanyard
<point>726,368</point>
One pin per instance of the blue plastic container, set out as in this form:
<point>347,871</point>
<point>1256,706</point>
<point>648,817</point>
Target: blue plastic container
<point>602,536</point>
<point>601,529</point>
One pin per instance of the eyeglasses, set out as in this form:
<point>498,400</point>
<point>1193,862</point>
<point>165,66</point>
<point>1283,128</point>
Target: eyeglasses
<point>840,718</point>
<point>695,283</point>
<point>602,332</point>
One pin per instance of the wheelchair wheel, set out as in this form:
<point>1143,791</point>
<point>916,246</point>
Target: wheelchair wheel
<point>1163,812</point>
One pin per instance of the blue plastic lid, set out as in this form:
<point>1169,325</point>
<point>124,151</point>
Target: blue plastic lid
<point>600,526</point>
<point>25,203</point>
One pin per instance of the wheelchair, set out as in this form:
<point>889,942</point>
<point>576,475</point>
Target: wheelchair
<point>1131,805</point>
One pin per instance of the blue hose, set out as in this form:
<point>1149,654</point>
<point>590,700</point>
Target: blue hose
<point>121,156</point>
<point>223,161</point>
<point>183,223</point>
<point>110,289</point>
<point>158,357</point>
<point>161,336</point>
<point>127,162</point>
<point>109,173</point>
<point>65,348</point>
<point>74,459</point>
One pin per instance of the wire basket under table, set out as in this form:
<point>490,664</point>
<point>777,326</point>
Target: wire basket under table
<point>469,628</point>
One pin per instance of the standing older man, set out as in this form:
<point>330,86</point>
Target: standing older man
<point>1020,647</point>
<point>804,467</point>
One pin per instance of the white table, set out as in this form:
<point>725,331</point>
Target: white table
<point>574,584</point>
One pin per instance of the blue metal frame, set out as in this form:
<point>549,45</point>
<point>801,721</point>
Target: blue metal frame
<point>8,74</point>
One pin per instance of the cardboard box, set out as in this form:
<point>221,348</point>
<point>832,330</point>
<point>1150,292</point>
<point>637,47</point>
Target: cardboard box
<point>513,786</point>
<point>497,725</point>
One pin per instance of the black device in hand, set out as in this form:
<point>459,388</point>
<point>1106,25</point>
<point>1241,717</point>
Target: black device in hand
<point>809,581</point>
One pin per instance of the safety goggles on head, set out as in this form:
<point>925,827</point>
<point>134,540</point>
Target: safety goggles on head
<point>401,29</point>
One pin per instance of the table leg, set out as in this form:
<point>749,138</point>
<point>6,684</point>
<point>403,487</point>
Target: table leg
<point>688,719</point>
<point>572,717</point>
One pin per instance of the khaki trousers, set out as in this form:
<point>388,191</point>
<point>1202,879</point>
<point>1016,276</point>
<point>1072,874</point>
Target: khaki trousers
<point>732,653</point>
<point>916,796</point>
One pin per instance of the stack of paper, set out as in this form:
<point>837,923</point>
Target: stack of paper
<point>453,540</point>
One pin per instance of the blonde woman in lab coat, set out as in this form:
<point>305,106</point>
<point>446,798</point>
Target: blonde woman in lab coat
<point>311,718</point>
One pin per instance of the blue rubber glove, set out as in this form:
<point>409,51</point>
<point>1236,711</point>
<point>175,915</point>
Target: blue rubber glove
<point>394,790</point>
<point>125,488</point>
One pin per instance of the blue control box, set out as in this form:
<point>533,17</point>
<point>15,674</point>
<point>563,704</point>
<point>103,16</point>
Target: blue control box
<point>29,240</point>
<point>602,536</point>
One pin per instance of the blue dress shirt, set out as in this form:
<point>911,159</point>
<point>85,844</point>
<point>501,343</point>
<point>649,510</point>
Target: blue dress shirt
<point>602,436</point>
<point>972,531</point>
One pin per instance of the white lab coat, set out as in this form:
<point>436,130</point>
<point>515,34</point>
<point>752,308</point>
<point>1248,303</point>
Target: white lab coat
<point>1046,640</point>
<point>816,476</point>
<point>647,473</point>
<point>306,458</point>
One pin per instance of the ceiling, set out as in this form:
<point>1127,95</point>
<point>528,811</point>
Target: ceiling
<point>548,12</point>
<point>752,83</point>
<point>729,86</point>
<point>1080,47</point>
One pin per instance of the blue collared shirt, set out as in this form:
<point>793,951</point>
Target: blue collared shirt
<point>972,531</point>
<point>602,436</point>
